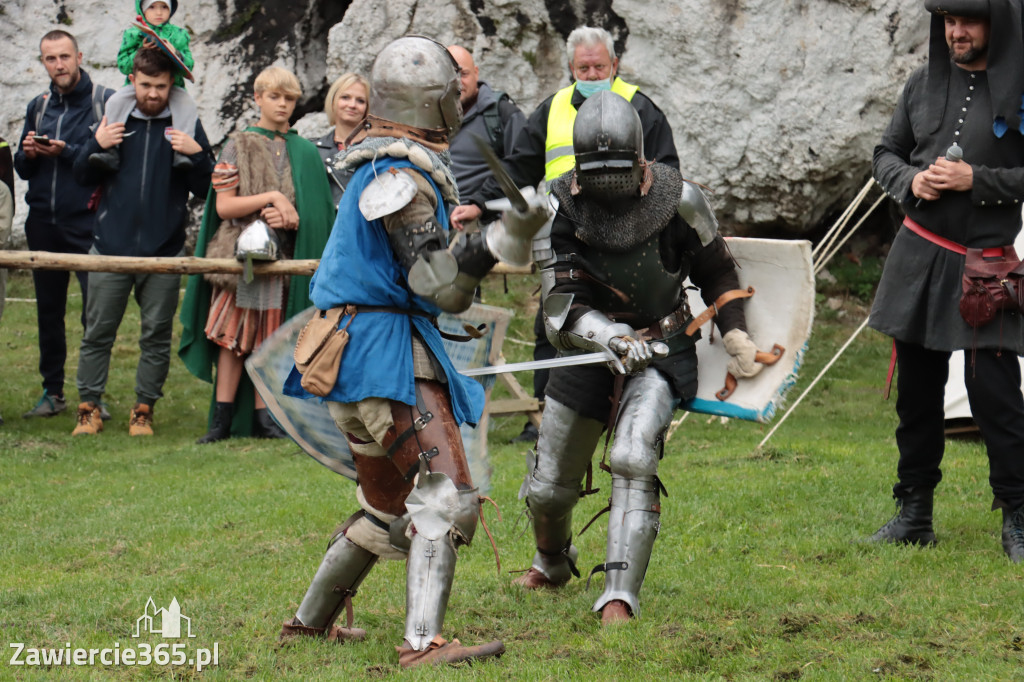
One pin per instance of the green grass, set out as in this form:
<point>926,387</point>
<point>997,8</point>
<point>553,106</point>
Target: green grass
<point>757,573</point>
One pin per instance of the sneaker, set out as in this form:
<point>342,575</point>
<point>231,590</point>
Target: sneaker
<point>141,421</point>
<point>1013,534</point>
<point>89,421</point>
<point>47,406</point>
<point>104,414</point>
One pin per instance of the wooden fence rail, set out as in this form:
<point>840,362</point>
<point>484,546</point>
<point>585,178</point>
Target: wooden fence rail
<point>186,265</point>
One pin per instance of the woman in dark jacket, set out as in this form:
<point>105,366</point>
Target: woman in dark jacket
<point>345,108</point>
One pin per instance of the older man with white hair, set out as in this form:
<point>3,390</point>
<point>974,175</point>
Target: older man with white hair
<point>543,149</point>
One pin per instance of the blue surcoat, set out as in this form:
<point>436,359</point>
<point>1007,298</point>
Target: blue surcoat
<point>359,267</point>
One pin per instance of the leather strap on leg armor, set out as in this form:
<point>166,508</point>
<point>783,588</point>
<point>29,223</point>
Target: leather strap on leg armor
<point>443,518</point>
<point>633,524</point>
<point>424,438</point>
<point>342,570</point>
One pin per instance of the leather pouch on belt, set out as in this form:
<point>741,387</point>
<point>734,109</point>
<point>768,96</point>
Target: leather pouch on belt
<point>318,351</point>
<point>990,285</point>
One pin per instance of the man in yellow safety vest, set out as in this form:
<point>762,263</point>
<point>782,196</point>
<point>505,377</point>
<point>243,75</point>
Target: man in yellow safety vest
<point>543,149</point>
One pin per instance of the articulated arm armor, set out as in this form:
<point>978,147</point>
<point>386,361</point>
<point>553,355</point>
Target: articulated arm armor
<point>696,210</point>
<point>593,331</point>
<point>448,276</point>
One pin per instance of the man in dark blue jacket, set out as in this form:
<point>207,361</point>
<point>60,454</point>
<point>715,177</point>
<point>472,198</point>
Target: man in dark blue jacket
<point>142,212</point>
<point>57,124</point>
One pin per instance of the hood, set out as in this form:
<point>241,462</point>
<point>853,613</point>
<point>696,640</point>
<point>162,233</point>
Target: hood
<point>1005,66</point>
<point>172,3</point>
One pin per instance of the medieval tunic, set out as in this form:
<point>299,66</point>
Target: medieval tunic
<point>316,214</point>
<point>629,262</point>
<point>919,293</point>
<point>359,267</point>
<point>243,315</point>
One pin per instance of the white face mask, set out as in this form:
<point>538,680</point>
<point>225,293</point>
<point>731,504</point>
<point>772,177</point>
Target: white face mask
<point>588,88</point>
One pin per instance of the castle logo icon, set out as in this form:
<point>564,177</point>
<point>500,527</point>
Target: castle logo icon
<point>164,622</point>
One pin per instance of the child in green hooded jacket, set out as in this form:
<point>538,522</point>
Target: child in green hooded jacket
<point>184,114</point>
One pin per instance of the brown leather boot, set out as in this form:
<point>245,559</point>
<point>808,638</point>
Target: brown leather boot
<point>442,651</point>
<point>534,580</point>
<point>614,612</point>
<point>293,628</point>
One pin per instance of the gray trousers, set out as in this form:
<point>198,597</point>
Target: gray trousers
<point>157,296</point>
<point>184,113</point>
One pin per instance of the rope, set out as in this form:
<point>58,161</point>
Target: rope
<point>843,219</point>
<point>825,259</point>
<point>813,383</point>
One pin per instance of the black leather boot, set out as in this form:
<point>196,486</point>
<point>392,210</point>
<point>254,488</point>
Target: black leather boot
<point>181,162</point>
<point>106,159</point>
<point>1013,534</point>
<point>220,429</point>
<point>912,523</point>
<point>265,426</point>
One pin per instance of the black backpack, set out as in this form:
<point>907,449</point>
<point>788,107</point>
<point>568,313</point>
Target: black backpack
<point>495,125</point>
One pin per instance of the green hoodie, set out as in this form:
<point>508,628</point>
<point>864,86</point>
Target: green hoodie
<point>133,38</point>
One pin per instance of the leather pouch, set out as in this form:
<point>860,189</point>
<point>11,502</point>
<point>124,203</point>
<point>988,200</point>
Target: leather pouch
<point>990,285</point>
<point>319,349</point>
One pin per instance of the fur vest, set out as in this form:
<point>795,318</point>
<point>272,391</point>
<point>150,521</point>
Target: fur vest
<point>256,174</point>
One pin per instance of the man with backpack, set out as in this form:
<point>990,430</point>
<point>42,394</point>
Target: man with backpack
<point>488,114</point>
<point>57,124</point>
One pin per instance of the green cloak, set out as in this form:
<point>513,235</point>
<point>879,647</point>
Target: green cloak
<point>316,217</point>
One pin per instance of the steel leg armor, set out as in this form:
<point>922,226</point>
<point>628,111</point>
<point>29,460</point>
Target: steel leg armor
<point>443,506</point>
<point>343,569</point>
<point>565,446</point>
<point>443,518</point>
<point>644,414</point>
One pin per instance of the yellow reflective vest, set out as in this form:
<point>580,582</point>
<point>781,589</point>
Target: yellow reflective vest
<point>558,152</point>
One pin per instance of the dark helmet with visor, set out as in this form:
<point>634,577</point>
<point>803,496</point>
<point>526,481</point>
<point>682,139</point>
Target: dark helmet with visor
<point>608,141</point>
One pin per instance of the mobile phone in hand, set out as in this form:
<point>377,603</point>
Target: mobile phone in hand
<point>41,139</point>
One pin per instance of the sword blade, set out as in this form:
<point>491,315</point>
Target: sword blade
<point>566,361</point>
<point>505,181</point>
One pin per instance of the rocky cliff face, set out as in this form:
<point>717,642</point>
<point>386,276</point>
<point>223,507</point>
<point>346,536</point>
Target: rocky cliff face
<point>776,106</point>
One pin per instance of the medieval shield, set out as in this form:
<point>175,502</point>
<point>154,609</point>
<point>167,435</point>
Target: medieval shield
<point>780,312</point>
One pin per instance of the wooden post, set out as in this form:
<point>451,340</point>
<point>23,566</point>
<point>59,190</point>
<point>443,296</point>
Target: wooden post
<point>186,265</point>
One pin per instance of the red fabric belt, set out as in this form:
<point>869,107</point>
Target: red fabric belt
<point>948,244</point>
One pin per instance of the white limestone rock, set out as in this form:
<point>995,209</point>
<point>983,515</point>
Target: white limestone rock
<point>775,105</point>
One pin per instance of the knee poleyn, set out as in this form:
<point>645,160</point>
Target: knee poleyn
<point>551,499</point>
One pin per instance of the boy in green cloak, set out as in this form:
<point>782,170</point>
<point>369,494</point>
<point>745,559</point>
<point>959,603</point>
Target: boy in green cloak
<point>269,172</point>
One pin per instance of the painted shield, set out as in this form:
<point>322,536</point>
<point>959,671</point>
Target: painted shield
<point>309,423</point>
<point>781,312</point>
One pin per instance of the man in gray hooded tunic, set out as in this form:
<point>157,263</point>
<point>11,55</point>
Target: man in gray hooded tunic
<point>953,158</point>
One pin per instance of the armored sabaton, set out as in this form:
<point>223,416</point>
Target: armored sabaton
<point>611,272</point>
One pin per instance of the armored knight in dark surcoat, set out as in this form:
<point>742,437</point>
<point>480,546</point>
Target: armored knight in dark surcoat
<point>626,237</point>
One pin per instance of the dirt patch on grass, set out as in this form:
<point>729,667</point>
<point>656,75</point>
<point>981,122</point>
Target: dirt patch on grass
<point>793,624</point>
